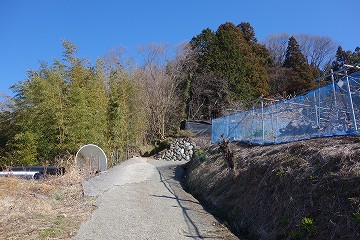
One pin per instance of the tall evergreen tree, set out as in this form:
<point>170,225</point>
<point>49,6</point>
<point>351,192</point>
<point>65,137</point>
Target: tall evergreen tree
<point>346,57</point>
<point>248,31</point>
<point>258,59</point>
<point>355,56</point>
<point>294,58</point>
<point>296,61</point>
<point>205,47</point>
<point>231,61</point>
<point>233,55</point>
<point>341,59</point>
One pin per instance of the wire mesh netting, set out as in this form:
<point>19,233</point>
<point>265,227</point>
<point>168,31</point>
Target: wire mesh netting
<point>330,110</point>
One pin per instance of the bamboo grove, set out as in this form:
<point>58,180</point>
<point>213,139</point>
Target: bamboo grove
<point>70,103</point>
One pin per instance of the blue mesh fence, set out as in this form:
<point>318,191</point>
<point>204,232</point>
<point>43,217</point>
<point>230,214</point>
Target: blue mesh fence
<point>331,110</point>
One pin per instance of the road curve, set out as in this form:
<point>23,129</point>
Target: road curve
<point>143,199</point>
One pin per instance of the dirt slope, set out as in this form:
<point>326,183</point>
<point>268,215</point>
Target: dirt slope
<point>302,190</point>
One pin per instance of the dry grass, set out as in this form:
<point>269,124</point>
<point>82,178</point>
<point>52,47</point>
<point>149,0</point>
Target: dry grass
<point>275,189</point>
<point>47,209</point>
<point>202,142</point>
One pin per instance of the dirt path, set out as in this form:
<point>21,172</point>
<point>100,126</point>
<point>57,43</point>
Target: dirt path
<point>143,199</point>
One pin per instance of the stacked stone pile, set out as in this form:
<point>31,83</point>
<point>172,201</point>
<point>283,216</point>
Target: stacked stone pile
<point>180,150</point>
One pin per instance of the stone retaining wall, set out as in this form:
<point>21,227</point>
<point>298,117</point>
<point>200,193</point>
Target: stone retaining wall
<point>181,149</point>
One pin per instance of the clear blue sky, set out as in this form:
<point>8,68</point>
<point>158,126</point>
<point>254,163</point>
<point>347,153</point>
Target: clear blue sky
<point>32,30</point>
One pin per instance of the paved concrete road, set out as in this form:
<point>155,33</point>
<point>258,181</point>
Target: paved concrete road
<point>143,199</point>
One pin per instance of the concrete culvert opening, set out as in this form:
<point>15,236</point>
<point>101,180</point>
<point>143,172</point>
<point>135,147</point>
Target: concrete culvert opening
<point>91,159</point>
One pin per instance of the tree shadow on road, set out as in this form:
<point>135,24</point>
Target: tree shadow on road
<point>193,229</point>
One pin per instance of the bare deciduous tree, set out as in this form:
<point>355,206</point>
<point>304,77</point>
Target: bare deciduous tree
<point>209,96</point>
<point>277,44</point>
<point>318,50</point>
<point>159,82</point>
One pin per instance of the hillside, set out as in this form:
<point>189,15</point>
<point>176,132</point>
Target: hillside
<point>302,190</point>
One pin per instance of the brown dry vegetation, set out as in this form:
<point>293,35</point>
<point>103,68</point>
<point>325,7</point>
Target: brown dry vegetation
<point>302,190</point>
<point>42,209</point>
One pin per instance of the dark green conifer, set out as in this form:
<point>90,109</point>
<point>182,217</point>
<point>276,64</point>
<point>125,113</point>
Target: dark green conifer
<point>248,31</point>
<point>296,61</point>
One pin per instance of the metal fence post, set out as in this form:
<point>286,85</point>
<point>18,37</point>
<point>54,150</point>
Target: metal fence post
<point>277,122</point>
<point>316,112</point>
<point>333,86</point>
<point>350,99</point>
<point>319,104</point>
<point>262,118</point>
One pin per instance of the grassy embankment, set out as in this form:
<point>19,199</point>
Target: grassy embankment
<point>301,190</point>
